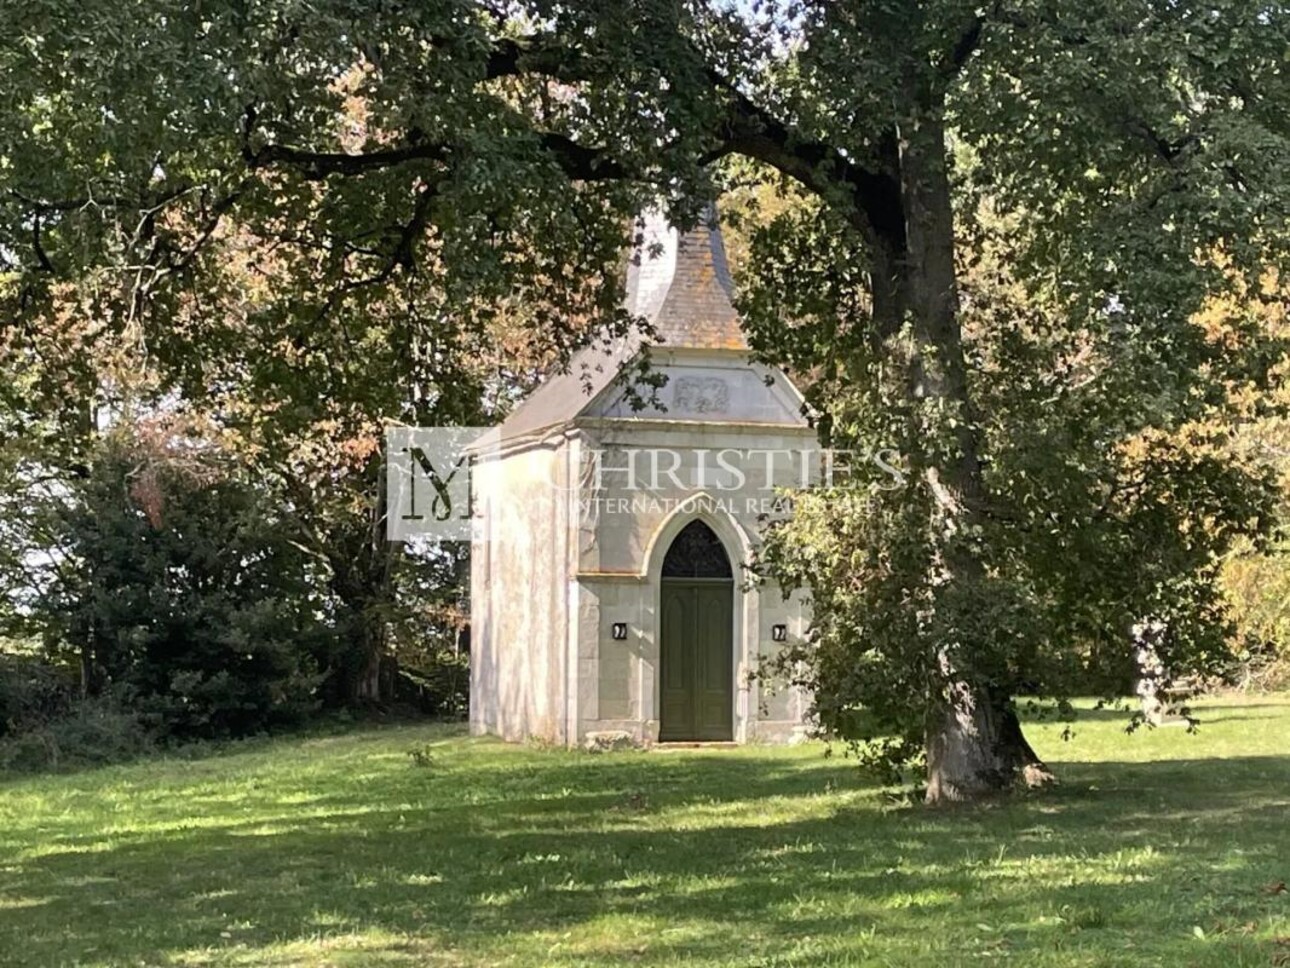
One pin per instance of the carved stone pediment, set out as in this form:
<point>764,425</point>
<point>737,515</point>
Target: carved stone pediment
<point>701,394</point>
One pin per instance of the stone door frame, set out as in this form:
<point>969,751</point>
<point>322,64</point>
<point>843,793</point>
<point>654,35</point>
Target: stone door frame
<point>703,507</point>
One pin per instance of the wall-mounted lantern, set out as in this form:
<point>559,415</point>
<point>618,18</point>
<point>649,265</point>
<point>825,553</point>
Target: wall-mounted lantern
<point>619,631</point>
<point>779,633</point>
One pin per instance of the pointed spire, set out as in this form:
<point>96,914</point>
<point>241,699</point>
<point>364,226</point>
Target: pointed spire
<point>680,282</point>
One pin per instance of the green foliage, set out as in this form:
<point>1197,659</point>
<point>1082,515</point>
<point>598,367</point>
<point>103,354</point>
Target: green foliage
<point>88,733</point>
<point>1259,586</point>
<point>1256,578</point>
<point>33,691</point>
<point>439,683</point>
<point>1110,499</point>
<point>423,756</point>
<point>183,594</point>
<point>45,724</point>
<point>323,217</point>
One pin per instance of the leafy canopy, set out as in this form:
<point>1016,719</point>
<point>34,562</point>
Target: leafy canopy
<point>1012,216</point>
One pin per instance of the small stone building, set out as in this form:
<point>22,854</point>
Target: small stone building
<point>608,589</point>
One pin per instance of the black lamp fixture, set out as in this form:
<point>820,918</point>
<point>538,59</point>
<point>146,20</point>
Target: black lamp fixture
<point>619,631</point>
<point>779,633</point>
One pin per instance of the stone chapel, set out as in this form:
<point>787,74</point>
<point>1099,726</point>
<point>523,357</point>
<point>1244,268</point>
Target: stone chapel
<point>608,591</point>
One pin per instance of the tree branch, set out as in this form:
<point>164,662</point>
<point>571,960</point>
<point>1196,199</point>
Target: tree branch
<point>315,165</point>
<point>578,161</point>
<point>535,54</point>
<point>1168,151</point>
<point>42,259</point>
<point>821,168</point>
<point>748,130</point>
<point>963,49</point>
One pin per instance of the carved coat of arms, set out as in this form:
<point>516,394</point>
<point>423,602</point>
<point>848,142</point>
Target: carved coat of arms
<point>708,394</point>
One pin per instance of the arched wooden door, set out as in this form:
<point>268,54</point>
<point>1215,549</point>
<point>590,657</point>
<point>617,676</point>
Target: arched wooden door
<point>696,648</point>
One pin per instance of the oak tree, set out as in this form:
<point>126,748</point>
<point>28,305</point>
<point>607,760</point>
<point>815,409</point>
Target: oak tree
<point>505,144</point>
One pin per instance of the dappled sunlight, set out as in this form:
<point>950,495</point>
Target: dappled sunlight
<point>498,853</point>
<point>16,902</point>
<point>377,948</point>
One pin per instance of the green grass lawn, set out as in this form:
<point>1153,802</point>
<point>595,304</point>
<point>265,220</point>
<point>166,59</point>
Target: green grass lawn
<point>1160,848</point>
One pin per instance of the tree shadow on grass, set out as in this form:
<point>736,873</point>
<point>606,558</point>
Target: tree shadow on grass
<point>1203,709</point>
<point>569,859</point>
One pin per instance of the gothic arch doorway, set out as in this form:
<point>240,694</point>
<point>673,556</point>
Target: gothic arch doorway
<point>696,646</point>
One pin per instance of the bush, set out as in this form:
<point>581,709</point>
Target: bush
<point>1258,588</point>
<point>188,595</point>
<point>33,691</point>
<point>44,725</point>
<point>1260,666</point>
<point>440,686</point>
<point>92,733</point>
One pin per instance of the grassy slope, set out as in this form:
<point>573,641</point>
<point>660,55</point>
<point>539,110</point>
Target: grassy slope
<point>1157,849</point>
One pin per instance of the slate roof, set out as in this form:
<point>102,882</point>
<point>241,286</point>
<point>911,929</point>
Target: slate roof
<point>564,394</point>
<point>680,282</point>
<point>685,290</point>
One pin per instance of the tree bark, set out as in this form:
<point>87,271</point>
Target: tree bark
<point>974,743</point>
<point>89,672</point>
<point>367,685</point>
<point>966,756</point>
<point>1028,768</point>
<point>976,749</point>
<point>361,561</point>
<point>365,596</point>
<point>1151,671</point>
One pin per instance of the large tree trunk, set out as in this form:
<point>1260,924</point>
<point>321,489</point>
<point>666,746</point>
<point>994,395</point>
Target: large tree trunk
<point>1151,671</point>
<point>361,561</point>
<point>366,689</point>
<point>966,756</point>
<point>1028,768</point>
<point>368,685</point>
<point>975,747</point>
<point>363,589</point>
<point>89,670</point>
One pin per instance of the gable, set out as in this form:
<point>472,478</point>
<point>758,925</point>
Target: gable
<point>720,389</point>
<point>566,393</point>
<point>678,283</point>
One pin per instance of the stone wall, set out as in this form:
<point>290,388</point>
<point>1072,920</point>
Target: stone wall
<point>622,539</point>
<point>520,596</point>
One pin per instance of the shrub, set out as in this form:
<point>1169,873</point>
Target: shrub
<point>440,686</point>
<point>1258,586</point>
<point>33,691</point>
<point>92,733</point>
<point>188,595</point>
